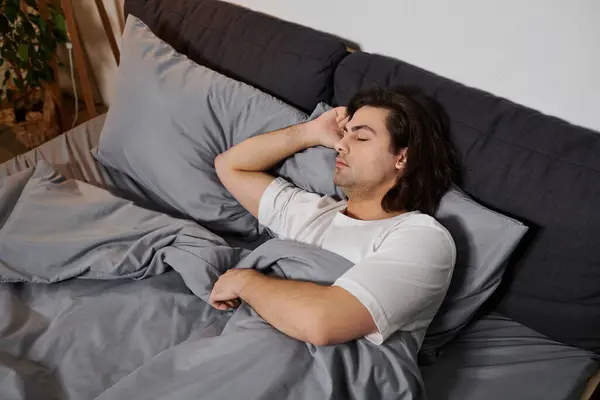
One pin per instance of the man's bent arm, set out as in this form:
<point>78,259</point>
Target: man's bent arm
<point>241,168</point>
<point>321,315</point>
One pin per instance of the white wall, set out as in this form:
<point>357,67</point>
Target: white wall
<point>541,53</point>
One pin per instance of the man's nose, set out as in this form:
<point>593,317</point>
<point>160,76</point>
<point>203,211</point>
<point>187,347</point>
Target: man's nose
<point>341,146</point>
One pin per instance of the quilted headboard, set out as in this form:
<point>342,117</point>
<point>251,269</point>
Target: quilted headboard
<point>537,168</point>
<point>286,60</point>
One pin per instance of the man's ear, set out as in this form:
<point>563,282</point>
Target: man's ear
<point>401,160</point>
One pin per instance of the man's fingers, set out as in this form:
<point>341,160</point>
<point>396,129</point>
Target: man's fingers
<point>341,113</point>
<point>221,296</point>
<point>221,305</point>
<point>233,303</point>
<point>218,296</point>
<point>342,123</point>
<point>225,305</point>
<point>229,303</point>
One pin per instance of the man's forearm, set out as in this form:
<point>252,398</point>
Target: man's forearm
<point>293,307</point>
<point>321,315</point>
<point>263,152</point>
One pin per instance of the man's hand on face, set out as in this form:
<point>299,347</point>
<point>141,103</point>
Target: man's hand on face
<point>328,128</point>
<point>225,294</point>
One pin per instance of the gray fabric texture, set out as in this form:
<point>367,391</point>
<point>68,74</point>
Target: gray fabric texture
<point>71,155</point>
<point>171,117</point>
<point>497,358</point>
<point>53,337</point>
<point>484,240</point>
<point>108,337</point>
<point>112,340</point>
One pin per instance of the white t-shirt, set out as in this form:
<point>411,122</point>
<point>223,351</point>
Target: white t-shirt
<point>403,264</point>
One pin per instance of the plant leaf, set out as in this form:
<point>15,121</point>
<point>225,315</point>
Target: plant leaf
<point>24,52</point>
<point>32,54</point>
<point>43,26</point>
<point>8,52</point>
<point>33,79</point>
<point>58,20</point>
<point>4,24</point>
<point>59,37</point>
<point>11,11</point>
<point>29,29</point>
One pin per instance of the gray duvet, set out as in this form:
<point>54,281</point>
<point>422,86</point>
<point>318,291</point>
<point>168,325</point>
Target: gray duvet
<point>126,313</point>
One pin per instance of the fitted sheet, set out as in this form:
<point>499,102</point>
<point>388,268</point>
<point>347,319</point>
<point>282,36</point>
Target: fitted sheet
<point>498,358</point>
<point>71,155</point>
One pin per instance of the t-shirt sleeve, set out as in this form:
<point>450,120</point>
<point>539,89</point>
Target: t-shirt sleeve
<point>284,208</point>
<point>403,282</point>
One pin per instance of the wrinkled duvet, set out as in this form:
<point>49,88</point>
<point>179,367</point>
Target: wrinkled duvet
<point>103,299</point>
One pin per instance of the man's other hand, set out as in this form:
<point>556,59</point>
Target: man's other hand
<point>225,293</point>
<point>328,128</point>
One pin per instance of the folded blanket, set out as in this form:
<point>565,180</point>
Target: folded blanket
<point>158,338</point>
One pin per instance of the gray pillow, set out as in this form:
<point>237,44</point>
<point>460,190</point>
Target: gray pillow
<point>484,240</point>
<point>171,117</point>
<point>313,168</point>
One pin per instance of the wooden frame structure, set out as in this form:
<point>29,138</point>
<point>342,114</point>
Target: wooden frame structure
<point>80,60</point>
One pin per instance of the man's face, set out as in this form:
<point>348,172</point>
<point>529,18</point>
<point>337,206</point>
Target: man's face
<point>365,166</point>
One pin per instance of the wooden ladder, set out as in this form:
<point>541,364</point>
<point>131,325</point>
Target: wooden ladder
<point>79,55</point>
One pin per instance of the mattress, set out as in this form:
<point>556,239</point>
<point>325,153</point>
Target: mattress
<point>494,358</point>
<point>498,358</point>
<point>71,155</point>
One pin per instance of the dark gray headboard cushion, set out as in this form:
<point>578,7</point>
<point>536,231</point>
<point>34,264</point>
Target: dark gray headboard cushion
<point>286,60</point>
<point>538,169</point>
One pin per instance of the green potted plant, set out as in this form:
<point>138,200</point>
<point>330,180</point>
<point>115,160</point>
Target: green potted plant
<point>29,36</point>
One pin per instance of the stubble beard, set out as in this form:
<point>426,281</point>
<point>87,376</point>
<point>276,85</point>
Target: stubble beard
<point>351,188</point>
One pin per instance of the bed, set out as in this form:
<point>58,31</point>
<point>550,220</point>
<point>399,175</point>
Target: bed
<point>140,327</point>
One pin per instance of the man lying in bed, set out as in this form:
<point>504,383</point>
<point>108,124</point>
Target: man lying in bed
<point>394,164</point>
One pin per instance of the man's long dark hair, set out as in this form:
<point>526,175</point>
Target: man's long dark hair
<point>419,123</point>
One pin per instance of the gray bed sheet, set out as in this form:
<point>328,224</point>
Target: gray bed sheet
<point>493,358</point>
<point>498,358</point>
<point>70,155</point>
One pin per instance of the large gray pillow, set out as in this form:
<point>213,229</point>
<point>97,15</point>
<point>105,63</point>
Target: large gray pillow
<point>484,240</point>
<point>171,117</point>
